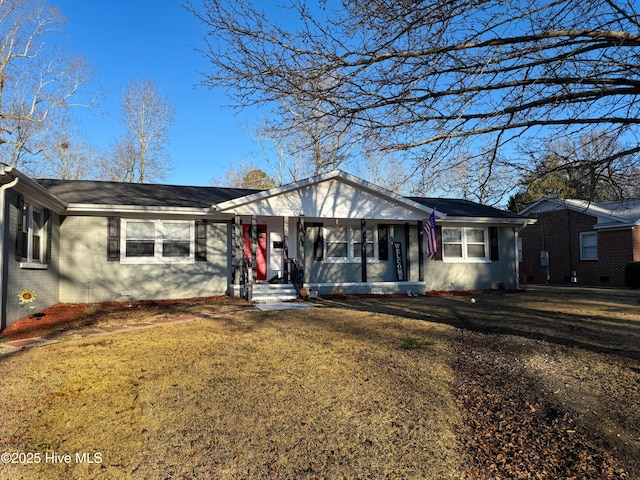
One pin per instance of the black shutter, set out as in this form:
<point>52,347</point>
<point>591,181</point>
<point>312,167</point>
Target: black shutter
<point>48,228</point>
<point>383,242</point>
<point>440,246</point>
<point>20,245</point>
<point>318,243</point>
<point>493,244</point>
<point>201,240</point>
<point>113,239</point>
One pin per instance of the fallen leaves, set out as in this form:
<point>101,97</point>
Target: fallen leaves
<point>510,431</point>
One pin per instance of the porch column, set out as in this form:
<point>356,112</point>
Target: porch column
<point>363,249</point>
<point>254,248</point>
<point>236,249</point>
<point>253,232</point>
<point>407,246</point>
<point>302,234</point>
<point>420,251</point>
<point>285,249</point>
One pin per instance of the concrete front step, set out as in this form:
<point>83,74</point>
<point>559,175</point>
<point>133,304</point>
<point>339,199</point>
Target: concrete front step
<point>273,293</point>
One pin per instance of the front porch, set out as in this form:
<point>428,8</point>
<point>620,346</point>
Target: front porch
<point>326,255</point>
<point>330,232</point>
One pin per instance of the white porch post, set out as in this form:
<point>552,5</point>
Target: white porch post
<point>254,248</point>
<point>236,249</point>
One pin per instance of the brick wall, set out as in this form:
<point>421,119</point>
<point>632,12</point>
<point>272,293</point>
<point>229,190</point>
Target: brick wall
<point>635,233</point>
<point>558,232</point>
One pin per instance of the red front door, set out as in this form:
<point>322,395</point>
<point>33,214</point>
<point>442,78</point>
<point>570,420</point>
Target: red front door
<point>261,251</point>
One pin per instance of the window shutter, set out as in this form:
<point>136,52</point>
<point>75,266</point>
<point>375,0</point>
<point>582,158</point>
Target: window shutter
<point>440,246</point>
<point>113,239</point>
<point>493,244</point>
<point>318,243</point>
<point>383,243</point>
<point>48,228</point>
<point>201,240</point>
<point>19,230</point>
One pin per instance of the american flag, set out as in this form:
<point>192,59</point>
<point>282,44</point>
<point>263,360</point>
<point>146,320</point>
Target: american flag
<point>430,235</point>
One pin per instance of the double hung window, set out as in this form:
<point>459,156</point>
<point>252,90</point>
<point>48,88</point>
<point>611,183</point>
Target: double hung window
<point>31,244</point>
<point>589,246</point>
<point>158,241</point>
<point>465,244</point>
<point>344,244</point>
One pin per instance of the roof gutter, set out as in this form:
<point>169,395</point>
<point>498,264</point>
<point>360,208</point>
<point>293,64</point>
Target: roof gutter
<point>3,265</point>
<point>519,228</point>
<point>34,190</point>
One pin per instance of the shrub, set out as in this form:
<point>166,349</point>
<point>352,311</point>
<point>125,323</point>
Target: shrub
<point>632,275</point>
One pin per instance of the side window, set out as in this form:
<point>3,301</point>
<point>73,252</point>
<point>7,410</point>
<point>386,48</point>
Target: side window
<point>589,246</point>
<point>30,237</point>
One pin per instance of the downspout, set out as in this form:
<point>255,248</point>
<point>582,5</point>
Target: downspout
<point>3,265</point>
<point>516,231</point>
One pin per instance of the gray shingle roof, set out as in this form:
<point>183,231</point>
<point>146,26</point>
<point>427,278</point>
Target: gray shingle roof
<point>454,207</point>
<point>154,195</point>
<point>140,194</point>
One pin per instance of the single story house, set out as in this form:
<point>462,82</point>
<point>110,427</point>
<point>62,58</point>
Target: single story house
<point>77,241</point>
<point>574,241</point>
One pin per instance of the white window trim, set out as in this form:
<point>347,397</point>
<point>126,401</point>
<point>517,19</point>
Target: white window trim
<point>465,258</point>
<point>351,257</point>
<point>157,257</point>
<point>588,234</point>
<point>29,262</point>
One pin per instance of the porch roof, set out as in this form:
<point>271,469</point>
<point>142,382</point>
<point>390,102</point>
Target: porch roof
<point>335,194</point>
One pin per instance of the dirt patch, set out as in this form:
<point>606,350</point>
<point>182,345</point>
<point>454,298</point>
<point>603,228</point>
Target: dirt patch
<point>69,316</point>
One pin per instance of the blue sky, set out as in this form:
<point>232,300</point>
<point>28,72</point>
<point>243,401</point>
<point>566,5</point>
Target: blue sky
<point>155,40</point>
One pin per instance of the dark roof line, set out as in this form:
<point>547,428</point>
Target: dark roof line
<point>158,195</point>
<point>140,194</point>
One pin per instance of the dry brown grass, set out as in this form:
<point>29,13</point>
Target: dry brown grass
<point>320,393</point>
<point>355,388</point>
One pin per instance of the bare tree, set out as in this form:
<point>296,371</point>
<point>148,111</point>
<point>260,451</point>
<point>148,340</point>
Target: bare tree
<point>140,155</point>
<point>65,155</point>
<point>307,144</point>
<point>36,78</point>
<point>434,78</point>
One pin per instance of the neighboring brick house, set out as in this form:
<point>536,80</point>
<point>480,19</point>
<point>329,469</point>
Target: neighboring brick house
<point>585,243</point>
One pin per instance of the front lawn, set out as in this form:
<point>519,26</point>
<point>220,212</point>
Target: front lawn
<point>540,384</point>
<point>318,393</point>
